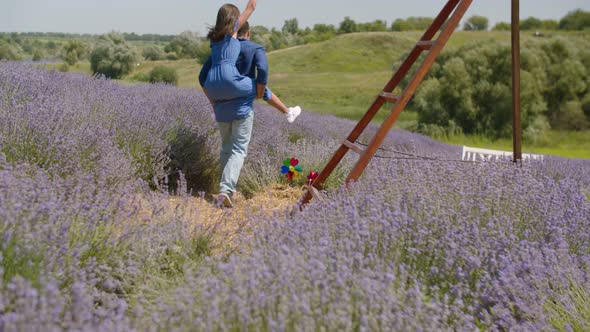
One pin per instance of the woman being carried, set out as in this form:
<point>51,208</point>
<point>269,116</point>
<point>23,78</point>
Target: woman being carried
<point>232,96</point>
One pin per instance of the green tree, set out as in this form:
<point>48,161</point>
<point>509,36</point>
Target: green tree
<point>400,25</point>
<point>37,55</point>
<point>476,23</point>
<point>377,25</point>
<point>162,74</point>
<point>550,25</point>
<point>259,30</point>
<point>566,83</point>
<point>51,45</point>
<point>203,53</point>
<point>71,57</point>
<point>419,23</point>
<point>324,28</point>
<point>291,26</point>
<point>347,26</point>
<point>457,94</point>
<point>261,35</point>
<point>502,26</point>
<point>9,50</point>
<point>470,88</point>
<point>586,106</point>
<point>73,51</point>
<point>531,23</point>
<point>277,40</point>
<point>153,53</point>
<point>187,45</point>
<point>112,56</point>
<point>571,117</point>
<point>429,105</point>
<point>575,20</point>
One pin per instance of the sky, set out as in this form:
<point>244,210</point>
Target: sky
<point>175,16</point>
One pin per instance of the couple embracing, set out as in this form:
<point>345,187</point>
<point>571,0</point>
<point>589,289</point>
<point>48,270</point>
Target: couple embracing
<point>235,75</point>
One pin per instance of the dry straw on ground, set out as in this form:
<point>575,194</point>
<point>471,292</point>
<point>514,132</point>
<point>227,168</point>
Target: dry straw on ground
<point>226,227</point>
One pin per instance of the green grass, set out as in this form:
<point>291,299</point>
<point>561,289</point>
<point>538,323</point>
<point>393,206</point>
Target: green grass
<point>188,71</point>
<point>341,76</point>
<point>80,67</point>
<point>16,262</point>
<point>576,315</point>
<point>568,144</point>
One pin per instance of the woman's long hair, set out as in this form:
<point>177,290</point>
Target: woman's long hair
<point>227,16</point>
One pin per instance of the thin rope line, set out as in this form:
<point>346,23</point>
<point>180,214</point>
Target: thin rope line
<point>417,157</point>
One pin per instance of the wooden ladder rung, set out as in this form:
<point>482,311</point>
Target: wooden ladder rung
<point>425,44</point>
<point>389,96</point>
<point>353,147</point>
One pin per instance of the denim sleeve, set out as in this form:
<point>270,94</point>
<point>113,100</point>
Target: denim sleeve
<point>261,66</point>
<point>204,72</point>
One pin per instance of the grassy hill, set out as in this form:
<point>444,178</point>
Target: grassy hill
<point>343,75</point>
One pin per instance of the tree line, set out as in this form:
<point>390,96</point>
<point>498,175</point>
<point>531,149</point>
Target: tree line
<point>115,54</point>
<point>469,89</point>
<point>52,45</point>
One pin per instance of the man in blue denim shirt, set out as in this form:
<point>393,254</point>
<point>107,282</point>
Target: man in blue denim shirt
<point>253,63</point>
<point>235,135</point>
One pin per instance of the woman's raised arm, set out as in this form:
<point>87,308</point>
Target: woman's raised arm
<point>245,15</point>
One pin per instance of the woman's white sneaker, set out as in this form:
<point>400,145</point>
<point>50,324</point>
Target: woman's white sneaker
<point>293,113</point>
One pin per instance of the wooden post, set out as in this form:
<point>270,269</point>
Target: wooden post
<point>516,124</point>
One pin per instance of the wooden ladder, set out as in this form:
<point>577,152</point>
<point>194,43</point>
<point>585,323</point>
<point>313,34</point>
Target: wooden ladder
<point>455,9</point>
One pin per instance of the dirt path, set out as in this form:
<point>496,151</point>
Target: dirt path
<point>227,225</point>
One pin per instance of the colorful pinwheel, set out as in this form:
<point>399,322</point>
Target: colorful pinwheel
<point>312,176</point>
<point>291,168</point>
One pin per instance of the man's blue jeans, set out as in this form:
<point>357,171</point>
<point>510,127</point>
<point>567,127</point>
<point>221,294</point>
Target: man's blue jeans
<point>235,137</point>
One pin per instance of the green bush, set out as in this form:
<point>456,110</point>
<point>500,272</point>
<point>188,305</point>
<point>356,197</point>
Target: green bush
<point>141,77</point>
<point>153,53</point>
<point>476,23</point>
<point>171,56</point>
<point>531,23</point>
<point>113,57</point>
<point>9,50</point>
<point>64,68</point>
<point>548,83</point>
<point>73,51</point>
<point>203,53</point>
<point>347,26</point>
<point>502,26</point>
<point>37,55</point>
<point>162,74</point>
<point>572,117</point>
<point>471,88</point>
<point>586,106</point>
<point>536,131</point>
<point>188,45</point>
<point>575,20</point>
<point>411,23</point>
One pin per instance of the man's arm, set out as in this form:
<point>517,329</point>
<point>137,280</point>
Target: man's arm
<point>204,72</point>
<point>261,62</point>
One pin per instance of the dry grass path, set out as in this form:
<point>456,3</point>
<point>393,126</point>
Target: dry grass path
<point>225,227</point>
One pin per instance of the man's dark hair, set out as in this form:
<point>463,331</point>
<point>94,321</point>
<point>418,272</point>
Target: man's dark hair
<point>244,29</point>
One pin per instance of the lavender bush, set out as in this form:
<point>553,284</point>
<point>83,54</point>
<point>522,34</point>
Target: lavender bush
<point>93,240</point>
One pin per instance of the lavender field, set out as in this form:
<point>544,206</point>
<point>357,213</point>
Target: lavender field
<point>99,232</point>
